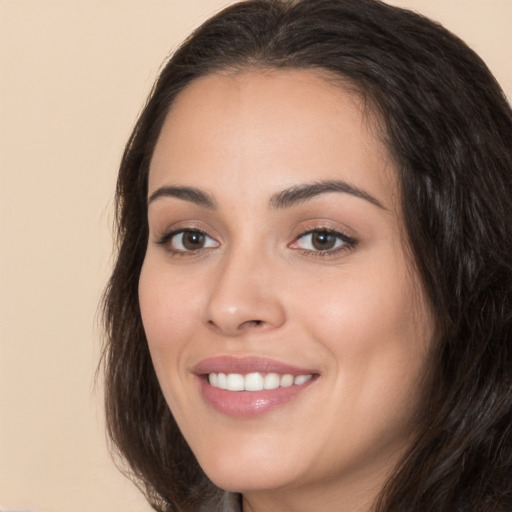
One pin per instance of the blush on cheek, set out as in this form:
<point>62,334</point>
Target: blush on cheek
<point>160,308</point>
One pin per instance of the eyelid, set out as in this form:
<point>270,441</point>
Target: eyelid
<point>162,232</point>
<point>348,242</point>
<point>345,242</point>
<point>166,238</point>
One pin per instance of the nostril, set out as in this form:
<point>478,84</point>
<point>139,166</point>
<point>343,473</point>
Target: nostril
<point>235,328</point>
<point>253,323</point>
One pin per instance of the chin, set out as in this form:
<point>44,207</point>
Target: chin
<point>246,481</point>
<point>243,474</point>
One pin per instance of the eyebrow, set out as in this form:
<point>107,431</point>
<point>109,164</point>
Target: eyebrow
<point>191,194</point>
<point>283,199</point>
<point>301,193</point>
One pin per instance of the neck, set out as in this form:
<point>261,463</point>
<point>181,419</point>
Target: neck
<point>357,492</point>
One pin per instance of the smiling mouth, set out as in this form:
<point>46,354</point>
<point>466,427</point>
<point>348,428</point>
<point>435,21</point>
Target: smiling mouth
<point>256,381</point>
<point>248,387</point>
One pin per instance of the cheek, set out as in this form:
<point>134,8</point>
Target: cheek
<point>376,326</point>
<point>169,316</point>
<point>364,310</point>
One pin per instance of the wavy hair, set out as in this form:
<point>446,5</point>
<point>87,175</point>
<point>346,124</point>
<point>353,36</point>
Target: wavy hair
<point>448,126</point>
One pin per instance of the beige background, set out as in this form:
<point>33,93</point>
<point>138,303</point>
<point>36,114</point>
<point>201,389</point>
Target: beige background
<point>73,76</point>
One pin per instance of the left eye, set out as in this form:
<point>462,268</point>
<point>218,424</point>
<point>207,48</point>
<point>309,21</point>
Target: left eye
<point>322,240</point>
<point>191,240</point>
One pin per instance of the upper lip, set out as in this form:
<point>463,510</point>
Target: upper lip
<point>244,365</point>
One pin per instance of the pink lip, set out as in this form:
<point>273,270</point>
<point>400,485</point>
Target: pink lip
<point>247,404</point>
<point>243,365</point>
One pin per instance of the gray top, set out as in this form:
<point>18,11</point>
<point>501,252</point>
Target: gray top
<point>228,502</point>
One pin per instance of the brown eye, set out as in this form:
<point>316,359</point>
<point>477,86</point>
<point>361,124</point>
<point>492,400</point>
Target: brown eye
<point>323,240</point>
<point>189,240</point>
<point>192,240</point>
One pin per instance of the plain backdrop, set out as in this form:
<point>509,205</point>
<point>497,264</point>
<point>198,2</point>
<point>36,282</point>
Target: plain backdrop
<point>73,77</point>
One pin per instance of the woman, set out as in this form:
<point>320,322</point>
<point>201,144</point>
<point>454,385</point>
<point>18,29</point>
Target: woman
<point>311,305</point>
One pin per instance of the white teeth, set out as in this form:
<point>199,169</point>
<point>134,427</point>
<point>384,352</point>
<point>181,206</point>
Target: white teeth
<point>301,379</point>
<point>235,382</point>
<point>286,380</point>
<point>255,381</point>
<point>213,379</point>
<point>223,381</point>
<point>271,381</point>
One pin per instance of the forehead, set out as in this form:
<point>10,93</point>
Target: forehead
<point>295,125</point>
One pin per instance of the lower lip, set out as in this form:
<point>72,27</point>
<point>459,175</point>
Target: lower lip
<point>247,404</point>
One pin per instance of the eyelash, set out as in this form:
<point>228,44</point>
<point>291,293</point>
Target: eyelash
<point>166,238</point>
<point>348,242</point>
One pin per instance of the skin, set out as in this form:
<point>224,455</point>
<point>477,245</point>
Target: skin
<point>355,314</point>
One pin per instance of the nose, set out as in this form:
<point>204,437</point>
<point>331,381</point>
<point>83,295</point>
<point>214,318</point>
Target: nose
<point>244,296</point>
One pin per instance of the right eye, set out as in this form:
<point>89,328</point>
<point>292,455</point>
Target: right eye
<point>187,240</point>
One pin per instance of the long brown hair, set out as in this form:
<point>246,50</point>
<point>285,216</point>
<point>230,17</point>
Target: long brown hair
<point>449,128</point>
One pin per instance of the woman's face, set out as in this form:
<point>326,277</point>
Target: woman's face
<point>276,268</point>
